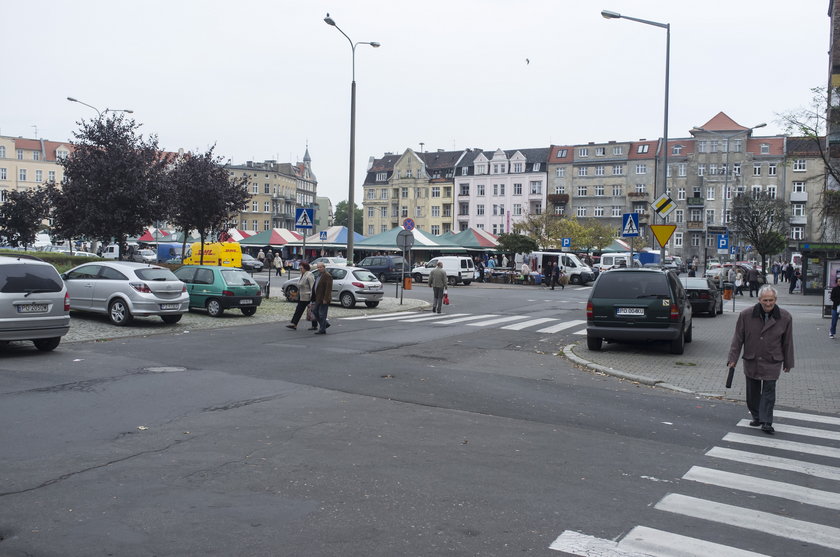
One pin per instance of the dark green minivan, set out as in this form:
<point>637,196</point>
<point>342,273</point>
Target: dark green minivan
<point>638,305</point>
<point>219,288</point>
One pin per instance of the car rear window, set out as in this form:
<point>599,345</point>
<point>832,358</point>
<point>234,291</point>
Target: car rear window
<point>631,285</point>
<point>365,276</point>
<point>29,278</point>
<point>151,273</point>
<point>237,277</point>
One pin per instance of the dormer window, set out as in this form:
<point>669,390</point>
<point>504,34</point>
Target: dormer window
<point>536,167</point>
<point>765,149</point>
<point>381,176</point>
<point>676,150</point>
<point>641,149</point>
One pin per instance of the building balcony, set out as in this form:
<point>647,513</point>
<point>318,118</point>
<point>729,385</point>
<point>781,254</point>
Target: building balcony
<point>798,219</point>
<point>464,217</point>
<point>695,225</point>
<point>535,196</point>
<point>798,196</point>
<point>638,194</point>
<point>695,201</point>
<point>558,198</point>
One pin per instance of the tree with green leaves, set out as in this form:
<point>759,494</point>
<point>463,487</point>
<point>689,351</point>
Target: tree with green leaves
<point>600,234</point>
<point>114,183</point>
<point>517,243</point>
<point>204,196</point>
<point>761,221</point>
<point>22,216</point>
<point>341,217</point>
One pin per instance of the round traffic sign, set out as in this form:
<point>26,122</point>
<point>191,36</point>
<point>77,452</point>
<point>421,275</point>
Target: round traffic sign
<point>408,224</point>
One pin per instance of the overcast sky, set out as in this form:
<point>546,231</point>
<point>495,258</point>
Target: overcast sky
<point>260,79</point>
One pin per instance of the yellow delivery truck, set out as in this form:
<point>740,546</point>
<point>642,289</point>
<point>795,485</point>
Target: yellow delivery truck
<point>223,254</point>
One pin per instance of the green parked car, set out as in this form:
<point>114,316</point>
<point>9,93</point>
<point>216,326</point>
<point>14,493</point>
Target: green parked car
<point>219,288</point>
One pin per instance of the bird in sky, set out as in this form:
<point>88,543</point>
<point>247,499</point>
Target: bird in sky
<point>527,61</point>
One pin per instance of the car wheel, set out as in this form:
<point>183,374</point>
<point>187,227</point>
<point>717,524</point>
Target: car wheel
<point>381,277</point>
<point>713,312</point>
<point>171,319</point>
<point>574,279</point>
<point>119,313</point>
<point>678,344</point>
<point>451,281</point>
<point>690,332</point>
<point>214,308</point>
<point>371,304</point>
<point>249,311</point>
<point>467,282</point>
<point>593,343</point>
<point>292,294</point>
<point>46,344</point>
<point>418,277</point>
<point>347,300</point>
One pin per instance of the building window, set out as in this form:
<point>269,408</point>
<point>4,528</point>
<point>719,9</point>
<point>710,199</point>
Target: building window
<point>710,193</point>
<point>599,211</point>
<point>559,188</point>
<point>582,170</point>
<point>797,232</point>
<point>371,194</point>
<point>616,211</point>
<point>715,146</point>
<point>381,176</point>
<point>536,167</point>
<point>383,212</point>
<point>676,150</point>
<point>581,191</point>
<point>737,145</point>
<point>678,239</point>
<point>255,225</point>
<point>616,191</point>
<point>518,167</point>
<point>799,165</point>
<point>581,212</point>
<point>404,211</point>
<point>771,169</point>
<point>757,169</point>
<point>435,210</point>
<point>383,194</point>
<point>583,152</point>
<point>22,174</point>
<point>435,191</point>
<point>713,170</point>
<point>538,208</point>
<point>370,230</point>
<point>517,189</point>
<point>3,175</point>
<point>36,155</point>
<point>599,191</point>
<point>695,240</point>
<point>710,216</point>
<point>267,207</point>
<point>756,190</point>
<point>799,186</point>
<point>617,150</point>
<point>39,176</point>
<point>641,149</point>
<point>2,151</point>
<point>479,189</point>
<point>618,169</point>
<point>641,188</point>
<point>517,209</point>
<point>20,154</point>
<point>536,188</point>
<point>736,169</point>
<point>560,172</point>
<point>641,169</point>
<point>599,171</point>
<point>681,169</point>
<point>679,216</point>
<point>418,212</point>
<point>771,192</point>
<point>370,212</point>
<point>701,146</point>
<point>600,151</point>
<point>765,149</point>
<point>435,229</point>
<point>479,210</point>
<point>255,189</point>
<point>501,189</point>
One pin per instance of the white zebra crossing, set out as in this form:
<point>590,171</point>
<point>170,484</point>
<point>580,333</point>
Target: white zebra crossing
<point>544,325</point>
<point>650,542</point>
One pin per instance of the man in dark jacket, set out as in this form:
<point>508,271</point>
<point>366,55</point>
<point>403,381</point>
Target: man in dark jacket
<point>322,295</point>
<point>752,281</point>
<point>765,332</point>
<point>835,300</point>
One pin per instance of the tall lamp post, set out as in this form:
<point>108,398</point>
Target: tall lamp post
<point>100,113</point>
<point>351,203</point>
<point>667,26</point>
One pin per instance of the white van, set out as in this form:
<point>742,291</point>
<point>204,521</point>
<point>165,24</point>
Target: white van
<point>614,261</point>
<point>577,271</point>
<point>458,269</point>
<point>112,251</point>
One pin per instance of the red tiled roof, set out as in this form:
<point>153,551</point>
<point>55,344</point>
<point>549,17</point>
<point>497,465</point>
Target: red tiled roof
<point>554,158</point>
<point>777,146</point>
<point>722,122</point>
<point>651,152</point>
<point>50,147</point>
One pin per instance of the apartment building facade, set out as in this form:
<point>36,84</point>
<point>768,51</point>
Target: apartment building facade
<point>28,163</point>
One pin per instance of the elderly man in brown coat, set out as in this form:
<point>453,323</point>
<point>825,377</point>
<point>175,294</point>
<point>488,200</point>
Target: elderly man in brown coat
<point>321,296</point>
<point>765,332</point>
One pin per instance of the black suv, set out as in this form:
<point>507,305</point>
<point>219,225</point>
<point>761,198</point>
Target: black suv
<point>638,305</point>
<point>385,267</point>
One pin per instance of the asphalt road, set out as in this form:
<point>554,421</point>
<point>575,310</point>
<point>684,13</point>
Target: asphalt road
<point>384,437</point>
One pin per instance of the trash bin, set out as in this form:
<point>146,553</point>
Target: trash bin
<point>538,279</point>
<point>727,290</point>
<point>407,283</point>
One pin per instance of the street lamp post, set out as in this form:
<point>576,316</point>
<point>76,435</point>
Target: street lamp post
<point>100,113</point>
<point>351,188</point>
<point>667,26</point>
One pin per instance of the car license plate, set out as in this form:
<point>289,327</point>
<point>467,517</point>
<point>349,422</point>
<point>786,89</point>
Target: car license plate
<point>170,306</point>
<point>630,311</point>
<point>32,308</point>
<point>246,302</point>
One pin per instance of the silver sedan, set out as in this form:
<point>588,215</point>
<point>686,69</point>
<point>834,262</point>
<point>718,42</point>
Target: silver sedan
<point>123,290</point>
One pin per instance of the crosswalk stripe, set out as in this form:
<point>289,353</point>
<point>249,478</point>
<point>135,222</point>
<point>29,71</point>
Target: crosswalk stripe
<point>561,326</point>
<point>432,317</point>
<point>757,459</point>
<point>792,492</point>
<point>765,441</point>
<point>524,324</point>
<point>581,332</point>
<point>804,431</point>
<point>497,321</point>
<point>653,542</point>
<point>462,319</point>
<point>807,417</point>
<point>360,317</point>
<point>791,528</point>
<point>395,317</point>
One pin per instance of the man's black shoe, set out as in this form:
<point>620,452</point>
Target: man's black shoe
<point>755,423</point>
<point>320,332</point>
<point>767,428</point>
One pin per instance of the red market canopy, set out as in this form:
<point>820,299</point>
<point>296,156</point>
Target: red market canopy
<point>275,237</point>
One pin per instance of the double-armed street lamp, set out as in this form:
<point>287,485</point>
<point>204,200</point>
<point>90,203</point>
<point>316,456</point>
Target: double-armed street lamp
<point>99,112</point>
<point>667,26</point>
<point>351,193</point>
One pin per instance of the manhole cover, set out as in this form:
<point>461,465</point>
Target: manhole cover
<point>165,369</point>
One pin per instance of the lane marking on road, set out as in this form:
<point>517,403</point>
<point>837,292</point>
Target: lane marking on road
<point>524,324</point>
<point>462,319</point>
<point>773,488</point>
<point>400,317</point>
<point>559,327</point>
<point>432,317</point>
<point>757,459</point>
<point>796,430</point>
<point>642,541</point>
<point>766,441</point>
<point>751,519</point>
<point>360,317</point>
<point>497,321</point>
<point>581,332</point>
<point>807,417</point>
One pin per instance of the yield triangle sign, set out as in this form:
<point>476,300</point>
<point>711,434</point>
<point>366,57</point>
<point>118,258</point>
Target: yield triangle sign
<point>663,232</point>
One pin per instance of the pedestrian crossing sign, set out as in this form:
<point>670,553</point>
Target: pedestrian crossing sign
<point>630,224</point>
<point>303,218</point>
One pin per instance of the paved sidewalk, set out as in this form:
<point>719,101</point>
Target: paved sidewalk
<point>813,384</point>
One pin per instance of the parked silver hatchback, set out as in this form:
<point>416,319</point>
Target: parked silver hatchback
<point>123,290</point>
<point>33,302</point>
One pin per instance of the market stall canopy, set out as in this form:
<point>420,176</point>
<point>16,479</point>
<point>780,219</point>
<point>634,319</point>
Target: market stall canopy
<point>275,237</point>
<point>422,241</point>
<point>178,237</point>
<point>236,235</point>
<point>476,239</point>
<point>152,235</point>
<point>336,238</point>
<point>616,245</point>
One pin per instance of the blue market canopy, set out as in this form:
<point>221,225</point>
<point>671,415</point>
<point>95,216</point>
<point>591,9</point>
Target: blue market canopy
<point>336,238</point>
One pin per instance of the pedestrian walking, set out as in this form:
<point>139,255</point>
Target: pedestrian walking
<point>794,280</point>
<point>526,272</point>
<point>739,282</point>
<point>322,294</point>
<point>261,256</point>
<point>752,281</point>
<point>789,270</point>
<point>304,287</point>
<point>776,269</point>
<point>479,266</point>
<point>269,260</point>
<point>765,334</point>
<point>555,276</point>
<point>278,265</point>
<point>437,282</point>
<point>835,300</point>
